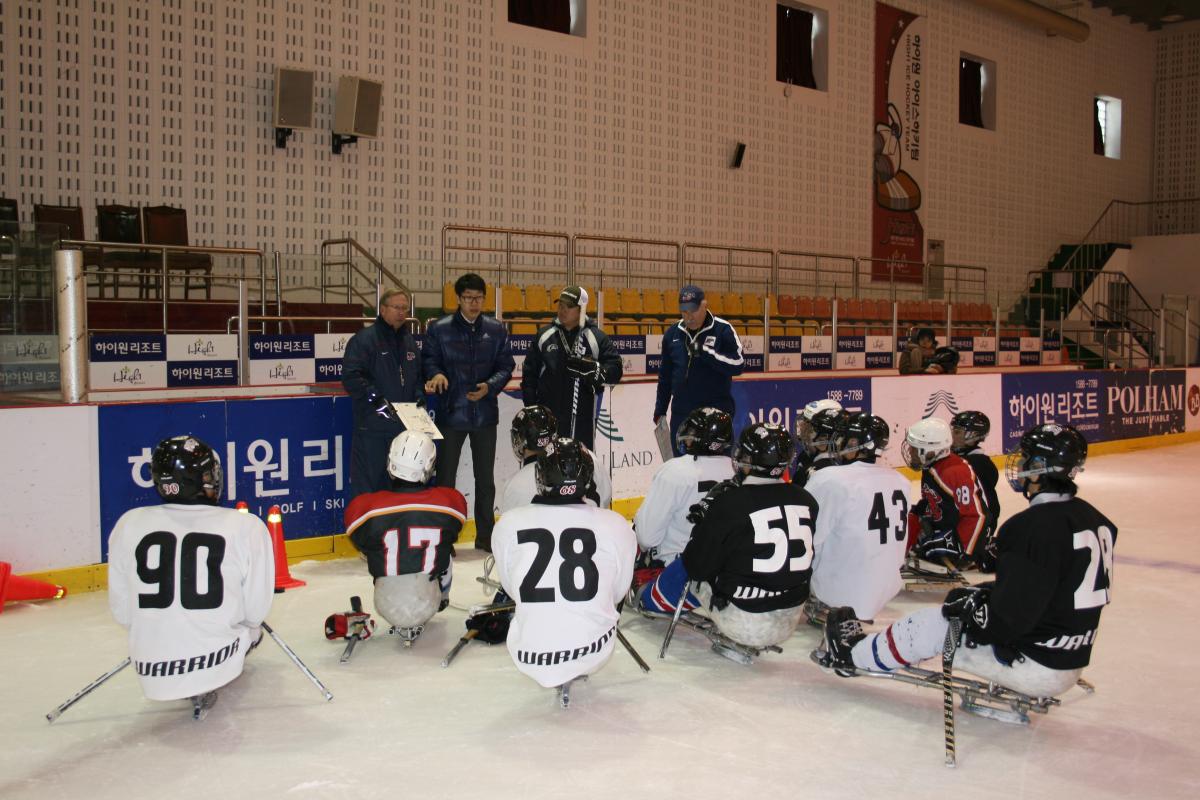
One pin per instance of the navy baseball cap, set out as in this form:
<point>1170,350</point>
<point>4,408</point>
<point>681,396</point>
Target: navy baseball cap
<point>690,298</point>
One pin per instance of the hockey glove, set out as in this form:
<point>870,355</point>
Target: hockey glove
<point>586,368</point>
<point>970,605</point>
<point>382,407</point>
<point>348,623</point>
<point>937,546</point>
<point>699,511</point>
<point>493,628</point>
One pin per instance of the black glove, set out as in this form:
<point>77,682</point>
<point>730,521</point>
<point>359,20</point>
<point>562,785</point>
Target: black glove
<point>586,368</point>
<point>938,545</point>
<point>492,628</point>
<point>382,407</point>
<point>699,511</point>
<point>987,554</point>
<point>921,509</point>
<point>970,605</point>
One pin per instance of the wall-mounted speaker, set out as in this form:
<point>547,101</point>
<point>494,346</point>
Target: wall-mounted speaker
<point>355,110</point>
<point>738,154</point>
<point>293,102</point>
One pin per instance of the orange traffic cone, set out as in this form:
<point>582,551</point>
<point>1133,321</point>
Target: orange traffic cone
<point>14,587</point>
<point>283,578</point>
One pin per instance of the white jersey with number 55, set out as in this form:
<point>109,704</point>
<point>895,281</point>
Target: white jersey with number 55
<point>189,582</point>
<point>567,567</point>
<point>859,542</point>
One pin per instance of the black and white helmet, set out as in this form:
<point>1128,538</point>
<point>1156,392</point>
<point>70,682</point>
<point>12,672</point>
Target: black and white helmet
<point>186,470</point>
<point>564,470</point>
<point>706,432</point>
<point>969,428</point>
<point>820,431</point>
<point>861,437</point>
<point>1049,449</point>
<point>764,450</point>
<point>532,429</point>
<point>811,409</point>
<point>411,457</point>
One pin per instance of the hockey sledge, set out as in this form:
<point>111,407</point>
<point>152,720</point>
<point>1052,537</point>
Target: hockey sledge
<point>202,703</point>
<point>721,644</point>
<point>982,698</point>
<point>564,691</point>
<point>490,608</point>
<point>921,577</point>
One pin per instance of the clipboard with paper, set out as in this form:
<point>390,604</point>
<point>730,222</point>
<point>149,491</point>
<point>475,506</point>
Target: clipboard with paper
<point>417,419</point>
<point>662,434</point>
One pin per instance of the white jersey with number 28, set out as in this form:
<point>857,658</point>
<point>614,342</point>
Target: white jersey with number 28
<point>567,567</point>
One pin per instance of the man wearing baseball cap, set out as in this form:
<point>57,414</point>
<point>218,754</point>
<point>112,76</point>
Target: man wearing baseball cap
<point>700,356</point>
<point>568,365</point>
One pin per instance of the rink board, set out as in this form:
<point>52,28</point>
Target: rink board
<point>294,451</point>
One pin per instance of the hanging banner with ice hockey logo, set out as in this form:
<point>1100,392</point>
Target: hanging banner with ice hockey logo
<point>898,238</point>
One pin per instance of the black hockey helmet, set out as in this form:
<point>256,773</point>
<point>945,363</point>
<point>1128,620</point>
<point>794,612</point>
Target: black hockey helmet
<point>821,430</point>
<point>861,437</point>
<point>706,432</point>
<point>532,429</point>
<point>186,470</point>
<point>764,450</point>
<point>970,428</point>
<point>1055,451</point>
<point>564,470</point>
<point>946,358</point>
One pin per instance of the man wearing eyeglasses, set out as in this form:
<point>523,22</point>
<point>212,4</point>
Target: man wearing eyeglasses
<point>467,359</point>
<point>381,366</point>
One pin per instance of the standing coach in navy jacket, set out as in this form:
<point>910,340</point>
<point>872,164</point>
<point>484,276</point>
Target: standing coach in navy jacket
<point>700,355</point>
<point>467,359</point>
<point>381,366</point>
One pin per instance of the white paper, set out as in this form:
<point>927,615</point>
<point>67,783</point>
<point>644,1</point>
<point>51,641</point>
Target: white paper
<point>417,419</point>
<point>662,434</point>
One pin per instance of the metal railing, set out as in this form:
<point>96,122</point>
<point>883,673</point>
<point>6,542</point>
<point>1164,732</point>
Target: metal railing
<point>645,262</point>
<point>798,272</point>
<point>375,281</point>
<point>1122,220</point>
<point>755,265</point>
<point>499,252</point>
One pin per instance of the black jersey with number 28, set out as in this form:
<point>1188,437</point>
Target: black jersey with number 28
<point>1053,578</point>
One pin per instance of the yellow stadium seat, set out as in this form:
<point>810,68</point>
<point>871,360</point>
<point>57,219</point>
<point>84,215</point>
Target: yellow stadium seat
<point>524,328</point>
<point>752,304</point>
<point>652,302</point>
<point>537,299</point>
<point>449,298</point>
<point>716,302</point>
<point>513,300</point>
<point>612,302</point>
<point>631,301</point>
<point>731,304</point>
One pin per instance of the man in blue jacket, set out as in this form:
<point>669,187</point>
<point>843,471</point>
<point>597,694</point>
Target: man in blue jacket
<point>467,359</point>
<point>381,366</point>
<point>700,356</point>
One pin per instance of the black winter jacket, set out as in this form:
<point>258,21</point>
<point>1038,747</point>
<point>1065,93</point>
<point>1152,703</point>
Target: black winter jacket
<point>382,361</point>
<point>546,381</point>
<point>468,354</point>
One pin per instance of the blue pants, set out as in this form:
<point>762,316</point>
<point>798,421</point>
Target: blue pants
<point>664,593</point>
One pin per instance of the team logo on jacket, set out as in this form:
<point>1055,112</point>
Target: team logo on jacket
<point>941,398</point>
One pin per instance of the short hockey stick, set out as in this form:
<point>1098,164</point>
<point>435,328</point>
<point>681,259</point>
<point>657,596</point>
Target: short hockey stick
<point>462,642</point>
<point>296,660</point>
<point>674,621</point>
<point>948,648</point>
<point>85,691</point>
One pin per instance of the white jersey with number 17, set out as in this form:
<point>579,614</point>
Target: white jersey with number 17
<point>567,567</point>
<point>859,541</point>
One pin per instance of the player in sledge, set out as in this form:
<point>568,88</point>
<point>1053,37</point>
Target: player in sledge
<point>1029,634</point>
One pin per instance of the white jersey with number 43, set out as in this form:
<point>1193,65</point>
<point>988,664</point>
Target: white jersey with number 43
<point>567,566</point>
<point>189,581</point>
<point>859,541</point>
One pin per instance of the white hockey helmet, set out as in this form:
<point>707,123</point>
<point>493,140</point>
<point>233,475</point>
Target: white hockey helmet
<point>411,457</point>
<point>811,409</point>
<point>927,441</point>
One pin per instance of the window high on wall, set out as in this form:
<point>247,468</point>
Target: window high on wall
<point>801,45</point>
<point>559,16</point>
<point>976,91</point>
<point>1106,126</point>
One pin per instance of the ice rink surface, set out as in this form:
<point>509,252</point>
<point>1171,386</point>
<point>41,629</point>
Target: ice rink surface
<point>697,726</point>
